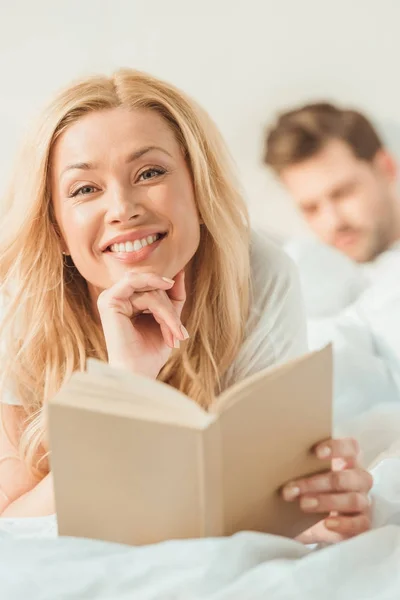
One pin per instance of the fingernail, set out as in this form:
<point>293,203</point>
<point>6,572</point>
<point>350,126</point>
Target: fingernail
<point>167,279</point>
<point>332,523</point>
<point>185,333</point>
<point>324,452</point>
<point>309,503</point>
<point>291,492</point>
<point>339,464</point>
<point>176,343</point>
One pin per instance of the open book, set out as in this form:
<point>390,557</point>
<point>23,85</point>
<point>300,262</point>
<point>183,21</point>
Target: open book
<point>135,461</point>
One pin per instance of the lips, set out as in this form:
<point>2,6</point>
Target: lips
<point>346,239</point>
<point>132,236</point>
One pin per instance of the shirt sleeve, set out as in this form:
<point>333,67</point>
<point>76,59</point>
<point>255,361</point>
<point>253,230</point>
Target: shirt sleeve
<point>276,329</point>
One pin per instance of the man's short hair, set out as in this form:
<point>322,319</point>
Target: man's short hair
<point>301,133</point>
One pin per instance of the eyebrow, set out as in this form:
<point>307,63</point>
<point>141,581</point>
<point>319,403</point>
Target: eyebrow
<point>85,166</point>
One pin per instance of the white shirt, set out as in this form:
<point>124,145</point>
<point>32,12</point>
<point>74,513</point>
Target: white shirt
<point>276,327</point>
<point>357,307</point>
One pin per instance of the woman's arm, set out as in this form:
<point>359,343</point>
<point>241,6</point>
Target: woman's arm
<point>15,478</point>
<point>38,502</point>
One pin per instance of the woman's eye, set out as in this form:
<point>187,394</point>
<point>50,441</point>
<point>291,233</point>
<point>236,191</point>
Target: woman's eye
<point>151,173</point>
<point>84,191</point>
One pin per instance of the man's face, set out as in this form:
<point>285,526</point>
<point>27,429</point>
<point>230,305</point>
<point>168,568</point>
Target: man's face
<point>348,203</point>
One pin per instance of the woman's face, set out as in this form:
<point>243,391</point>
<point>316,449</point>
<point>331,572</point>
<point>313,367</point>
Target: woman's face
<point>123,197</point>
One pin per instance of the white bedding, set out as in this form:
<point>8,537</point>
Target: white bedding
<point>357,308</point>
<point>247,566</point>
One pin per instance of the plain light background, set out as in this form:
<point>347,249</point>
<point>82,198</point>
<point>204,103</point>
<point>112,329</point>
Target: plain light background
<point>244,60</point>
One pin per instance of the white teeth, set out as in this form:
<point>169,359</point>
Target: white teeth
<point>136,245</point>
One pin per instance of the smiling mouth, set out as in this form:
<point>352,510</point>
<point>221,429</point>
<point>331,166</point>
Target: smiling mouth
<point>136,246</point>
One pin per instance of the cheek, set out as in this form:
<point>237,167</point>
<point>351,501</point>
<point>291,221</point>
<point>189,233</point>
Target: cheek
<point>177,204</point>
<point>316,222</point>
<point>362,209</point>
<point>79,226</point>
<point>185,233</point>
<point>321,228</point>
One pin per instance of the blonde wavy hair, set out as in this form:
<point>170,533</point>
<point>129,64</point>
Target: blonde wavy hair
<point>48,327</point>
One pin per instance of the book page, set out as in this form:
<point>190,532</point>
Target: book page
<point>132,395</point>
<point>267,434</point>
<point>233,393</point>
<point>167,395</point>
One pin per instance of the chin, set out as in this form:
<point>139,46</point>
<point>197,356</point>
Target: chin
<point>361,255</point>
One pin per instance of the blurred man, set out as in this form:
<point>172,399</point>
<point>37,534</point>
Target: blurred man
<point>343,180</point>
<point>334,164</point>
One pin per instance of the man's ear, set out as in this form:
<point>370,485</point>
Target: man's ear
<point>385,162</point>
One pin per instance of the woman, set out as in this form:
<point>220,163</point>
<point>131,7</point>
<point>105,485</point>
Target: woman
<point>125,239</point>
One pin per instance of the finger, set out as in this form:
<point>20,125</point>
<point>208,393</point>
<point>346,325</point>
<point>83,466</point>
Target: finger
<point>131,283</point>
<point>339,464</point>
<point>348,526</point>
<point>167,334</point>
<point>346,449</point>
<point>177,293</point>
<point>356,480</point>
<point>319,534</point>
<point>147,281</point>
<point>351,502</point>
<point>161,308</point>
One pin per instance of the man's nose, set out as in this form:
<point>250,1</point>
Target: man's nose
<point>330,217</point>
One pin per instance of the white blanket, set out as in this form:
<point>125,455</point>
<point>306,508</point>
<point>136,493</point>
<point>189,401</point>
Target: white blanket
<point>357,307</point>
<point>248,566</point>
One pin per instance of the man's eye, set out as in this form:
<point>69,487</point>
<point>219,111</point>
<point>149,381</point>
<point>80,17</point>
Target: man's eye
<point>151,173</point>
<point>309,210</point>
<point>84,191</point>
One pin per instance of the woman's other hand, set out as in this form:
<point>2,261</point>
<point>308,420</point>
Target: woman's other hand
<point>341,492</point>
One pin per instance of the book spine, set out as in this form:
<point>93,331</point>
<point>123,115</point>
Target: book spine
<point>211,488</point>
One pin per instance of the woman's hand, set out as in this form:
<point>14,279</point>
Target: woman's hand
<point>140,316</point>
<point>342,492</point>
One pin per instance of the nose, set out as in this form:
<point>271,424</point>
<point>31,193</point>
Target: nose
<point>122,206</point>
<point>330,218</point>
